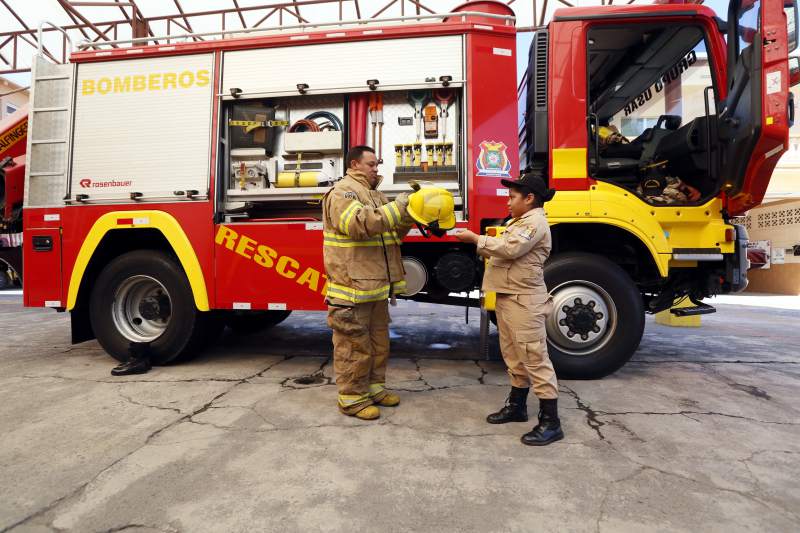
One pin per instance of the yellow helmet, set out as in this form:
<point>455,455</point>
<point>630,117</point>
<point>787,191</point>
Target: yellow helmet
<point>432,206</point>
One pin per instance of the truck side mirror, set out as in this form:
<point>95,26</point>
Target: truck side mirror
<point>794,71</point>
<point>790,8</point>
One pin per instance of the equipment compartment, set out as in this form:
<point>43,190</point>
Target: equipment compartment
<point>280,155</point>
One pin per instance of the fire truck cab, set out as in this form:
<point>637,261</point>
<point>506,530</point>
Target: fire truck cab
<point>174,188</point>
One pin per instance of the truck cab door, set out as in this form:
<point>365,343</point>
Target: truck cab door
<point>753,123</point>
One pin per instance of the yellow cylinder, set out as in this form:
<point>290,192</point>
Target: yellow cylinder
<point>287,179</point>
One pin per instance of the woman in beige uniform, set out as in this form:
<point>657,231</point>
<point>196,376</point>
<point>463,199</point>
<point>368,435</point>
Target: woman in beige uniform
<point>514,272</point>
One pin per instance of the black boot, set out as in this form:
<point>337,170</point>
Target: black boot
<point>515,410</point>
<point>138,360</point>
<point>549,427</point>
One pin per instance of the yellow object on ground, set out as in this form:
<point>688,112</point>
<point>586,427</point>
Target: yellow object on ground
<point>666,318</point>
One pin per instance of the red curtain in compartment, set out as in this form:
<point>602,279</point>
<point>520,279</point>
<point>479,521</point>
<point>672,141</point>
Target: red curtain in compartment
<point>359,106</point>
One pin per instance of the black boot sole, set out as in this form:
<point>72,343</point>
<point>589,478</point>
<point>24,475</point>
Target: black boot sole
<point>543,442</point>
<point>507,420</point>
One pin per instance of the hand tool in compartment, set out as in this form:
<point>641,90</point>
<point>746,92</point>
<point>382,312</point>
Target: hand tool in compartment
<point>431,120</point>
<point>430,148</point>
<point>448,154</point>
<point>373,114</point>
<point>440,150</point>
<point>242,176</point>
<point>417,100</point>
<point>408,154</point>
<point>379,119</point>
<point>417,161</point>
<point>444,98</point>
<point>398,155</point>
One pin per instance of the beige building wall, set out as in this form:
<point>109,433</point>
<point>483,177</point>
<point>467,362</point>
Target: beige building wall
<point>11,102</point>
<point>779,223</point>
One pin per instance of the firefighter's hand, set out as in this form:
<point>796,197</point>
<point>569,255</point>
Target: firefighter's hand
<point>467,236</point>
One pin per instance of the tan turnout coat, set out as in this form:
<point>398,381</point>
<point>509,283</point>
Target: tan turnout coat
<point>362,232</point>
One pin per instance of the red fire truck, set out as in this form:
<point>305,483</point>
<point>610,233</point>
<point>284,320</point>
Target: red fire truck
<point>13,137</point>
<point>171,188</point>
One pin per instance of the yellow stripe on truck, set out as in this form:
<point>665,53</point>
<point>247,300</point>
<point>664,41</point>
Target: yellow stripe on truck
<point>159,220</point>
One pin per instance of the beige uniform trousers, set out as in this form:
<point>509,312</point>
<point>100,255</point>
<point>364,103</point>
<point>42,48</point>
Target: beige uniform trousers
<point>360,353</point>
<point>523,341</point>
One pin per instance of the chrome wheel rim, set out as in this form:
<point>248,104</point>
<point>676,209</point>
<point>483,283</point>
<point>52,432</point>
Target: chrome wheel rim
<point>142,308</point>
<point>583,320</point>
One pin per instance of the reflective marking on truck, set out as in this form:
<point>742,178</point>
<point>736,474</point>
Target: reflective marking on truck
<point>276,307</point>
<point>156,81</point>
<point>159,220</point>
<point>12,137</point>
<point>267,257</point>
<point>774,151</point>
<point>241,305</point>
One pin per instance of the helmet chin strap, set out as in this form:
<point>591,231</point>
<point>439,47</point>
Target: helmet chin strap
<point>433,228</point>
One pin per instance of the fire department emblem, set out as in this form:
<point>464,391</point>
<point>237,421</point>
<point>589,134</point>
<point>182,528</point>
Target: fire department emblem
<point>493,161</point>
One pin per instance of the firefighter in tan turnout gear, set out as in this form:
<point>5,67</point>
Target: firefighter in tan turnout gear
<point>514,272</point>
<point>362,234</point>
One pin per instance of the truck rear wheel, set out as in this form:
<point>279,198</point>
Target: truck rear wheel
<point>598,315</point>
<point>144,296</point>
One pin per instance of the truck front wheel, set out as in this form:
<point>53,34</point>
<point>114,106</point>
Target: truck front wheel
<point>144,296</point>
<point>598,315</point>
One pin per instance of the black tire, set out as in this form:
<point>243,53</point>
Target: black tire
<point>177,332</point>
<point>582,285</point>
<point>5,280</point>
<point>249,322</point>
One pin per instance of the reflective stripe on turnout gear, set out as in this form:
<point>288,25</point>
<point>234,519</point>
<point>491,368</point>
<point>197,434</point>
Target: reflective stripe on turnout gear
<point>347,216</point>
<point>392,213</point>
<point>342,292</point>
<point>390,238</point>
<point>346,400</point>
<point>375,389</point>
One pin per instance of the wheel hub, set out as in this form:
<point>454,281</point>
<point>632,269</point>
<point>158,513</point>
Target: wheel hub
<point>584,317</point>
<point>581,318</point>
<point>155,307</point>
<point>142,308</point>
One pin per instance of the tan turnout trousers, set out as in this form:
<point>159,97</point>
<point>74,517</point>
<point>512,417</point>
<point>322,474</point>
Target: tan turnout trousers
<point>523,341</point>
<point>360,353</point>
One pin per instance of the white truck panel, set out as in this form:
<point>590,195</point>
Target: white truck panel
<point>143,125</point>
<point>343,67</point>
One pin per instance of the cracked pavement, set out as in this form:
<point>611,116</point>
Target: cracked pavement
<point>698,432</point>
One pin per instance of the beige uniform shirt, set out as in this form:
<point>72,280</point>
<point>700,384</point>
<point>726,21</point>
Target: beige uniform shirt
<point>518,255</point>
<point>362,233</point>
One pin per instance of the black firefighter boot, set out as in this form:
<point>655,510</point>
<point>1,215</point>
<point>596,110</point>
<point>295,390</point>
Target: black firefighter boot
<point>549,427</point>
<point>138,360</point>
<point>515,409</point>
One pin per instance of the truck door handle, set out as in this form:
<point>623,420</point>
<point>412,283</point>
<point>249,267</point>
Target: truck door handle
<point>42,244</point>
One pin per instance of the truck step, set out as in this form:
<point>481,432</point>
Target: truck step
<point>698,309</point>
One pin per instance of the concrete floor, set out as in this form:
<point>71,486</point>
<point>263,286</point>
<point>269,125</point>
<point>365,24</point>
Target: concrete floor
<point>700,432</point>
